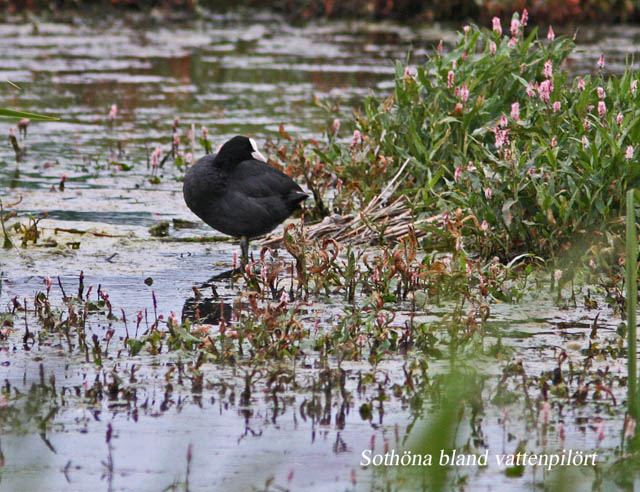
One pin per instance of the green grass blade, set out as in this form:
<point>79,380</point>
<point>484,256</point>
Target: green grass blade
<point>22,114</point>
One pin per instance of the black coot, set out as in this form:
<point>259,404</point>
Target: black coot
<point>237,193</point>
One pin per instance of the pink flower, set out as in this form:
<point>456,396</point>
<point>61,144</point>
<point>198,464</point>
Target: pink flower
<point>502,137</point>
<point>556,106</point>
<point>512,42</point>
<point>587,124</point>
<point>155,156</point>
<point>544,89</point>
<point>515,26</point>
<point>113,112</point>
<point>629,152</point>
<point>602,108</point>
<point>471,167</point>
<point>601,62</point>
<point>466,29</point>
<point>497,28</point>
<point>525,18</point>
<point>407,73</point>
<point>335,126</point>
<point>488,193</point>
<point>484,226</point>
<point>188,158</point>
<point>450,77</point>
<point>550,34</point>
<point>356,139</point>
<point>548,69</point>
<point>503,121</point>
<point>492,48</point>
<point>440,46</point>
<point>580,83</point>
<point>530,90</point>
<point>601,93</point>
<point>557,275</point>
<point>634,87</point>
<point>457,174</point>
<point>515,111</point>
<point>585,142</point>
<point>554,142</point>
<point>532,171</point>
<point>464,93</point>
<point>176,140</point>
<point>619,119</point>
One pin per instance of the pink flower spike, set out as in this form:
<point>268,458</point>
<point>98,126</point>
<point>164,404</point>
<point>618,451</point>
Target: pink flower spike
<point>601,62</point>
<point>602,108</point>
<point>515,27</point>
<point>492,48</point>
<point>450,77</point>
<point>484,226</point>
<point>548,69</point>
<point>619,119</point>
<point>471,167</point>
<point>335,126</point>
<point>601,93</point>
<point>556,106</point>
<point>464,56</point>
<point>356,139</point>
<point>587,124</point>
<point>531,90</point>
<point>557,275</point>
<point>544,89</point>
<point>466,29</point>
<point>629,152</point>
<point>440,46</point>
<point>554,142</point>
<point>488,193</point>
<point>580,83</point>
<point>550,34</point>
<point>585,142</point>
<point>464,93</point>
<point>524,18</point>
<point>457,174</point>
<point>497,28</point>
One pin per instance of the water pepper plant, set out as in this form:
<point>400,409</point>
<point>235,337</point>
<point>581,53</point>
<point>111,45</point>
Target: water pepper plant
<point>498,128</point>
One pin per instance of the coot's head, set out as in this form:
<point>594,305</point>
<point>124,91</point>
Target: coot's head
<point>239,149</point>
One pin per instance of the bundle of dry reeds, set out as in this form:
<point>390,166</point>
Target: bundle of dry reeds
<point>378,222</point>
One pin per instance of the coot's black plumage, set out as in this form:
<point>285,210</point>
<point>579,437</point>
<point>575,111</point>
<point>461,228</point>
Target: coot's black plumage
<point>237,193</point>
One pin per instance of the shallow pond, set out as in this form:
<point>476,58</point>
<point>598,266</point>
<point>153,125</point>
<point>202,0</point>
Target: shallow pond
<point>234,73</point>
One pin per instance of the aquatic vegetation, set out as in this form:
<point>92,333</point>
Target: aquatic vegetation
<point>496,128</point>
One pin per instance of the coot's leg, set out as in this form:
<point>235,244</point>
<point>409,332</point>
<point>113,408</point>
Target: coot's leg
<point>244,246</point>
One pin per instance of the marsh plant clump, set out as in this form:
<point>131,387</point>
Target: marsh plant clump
<point>498,129</point>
